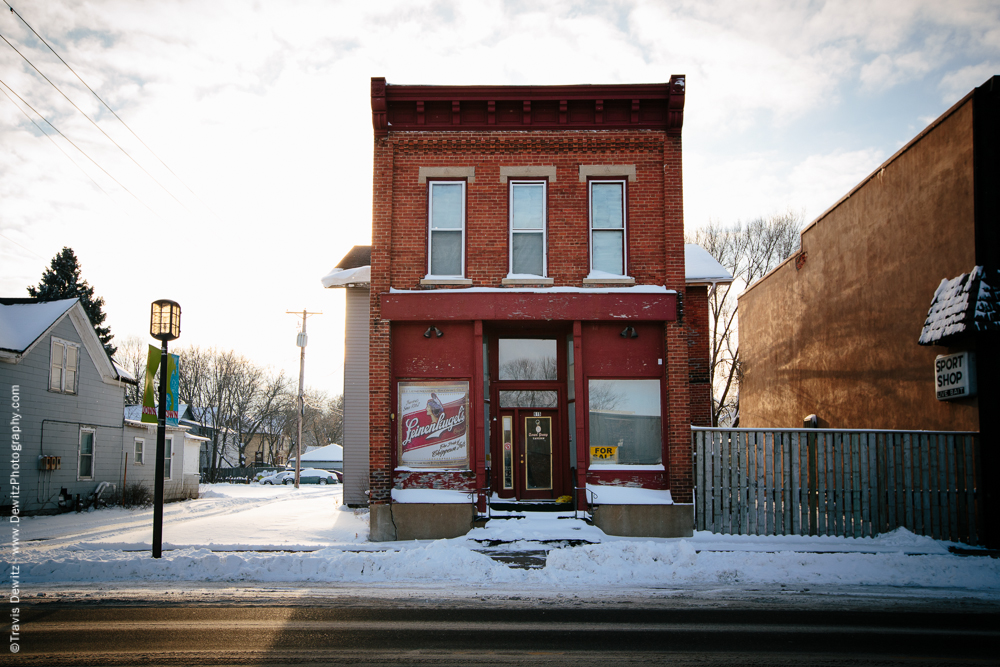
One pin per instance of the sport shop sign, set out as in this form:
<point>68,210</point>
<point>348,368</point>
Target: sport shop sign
<point>433,424</point>
<point>955,376</point>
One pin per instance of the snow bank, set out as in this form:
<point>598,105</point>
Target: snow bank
<point>260,534</point>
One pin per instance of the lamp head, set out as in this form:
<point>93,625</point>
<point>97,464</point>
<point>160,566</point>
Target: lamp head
<point>165,320</point>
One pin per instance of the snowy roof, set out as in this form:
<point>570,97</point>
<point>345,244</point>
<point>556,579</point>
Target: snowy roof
<point>962,305</point>
<point>332,452</point>
<point>134,412</point>
<point>343,277</point>
<point>359,255</point>
<point>21,324</point>
<point>122,373</point>
<point>701,267</point>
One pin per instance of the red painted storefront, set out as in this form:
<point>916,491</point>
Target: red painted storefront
<point>531,369</point>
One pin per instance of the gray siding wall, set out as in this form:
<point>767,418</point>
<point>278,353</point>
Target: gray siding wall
<point>179,486</point>
<point>356,398</point>
<point>51,424</point>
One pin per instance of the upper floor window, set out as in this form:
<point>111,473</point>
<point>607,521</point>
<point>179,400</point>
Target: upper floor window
<point>607,227</point>
<point>64,364</point>
<point>446,245</point>
<point>527,228</point>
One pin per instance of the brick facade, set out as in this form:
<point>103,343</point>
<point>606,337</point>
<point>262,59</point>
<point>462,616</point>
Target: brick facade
<point>655,251</point>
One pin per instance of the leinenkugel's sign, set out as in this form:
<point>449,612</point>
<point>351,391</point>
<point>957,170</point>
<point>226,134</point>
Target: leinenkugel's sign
<point>433,420</point>
<point>955,376</point>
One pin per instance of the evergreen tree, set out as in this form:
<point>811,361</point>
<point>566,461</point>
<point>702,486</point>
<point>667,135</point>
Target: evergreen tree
<point>62,281</point>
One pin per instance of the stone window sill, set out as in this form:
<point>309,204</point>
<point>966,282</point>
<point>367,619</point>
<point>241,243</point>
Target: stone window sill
<point>609,281</point>
<point>528,281</point>
<point>461,282</point>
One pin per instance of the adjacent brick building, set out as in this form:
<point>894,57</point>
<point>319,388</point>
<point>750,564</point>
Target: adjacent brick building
<point>868,312</point>
<point>530,322</point>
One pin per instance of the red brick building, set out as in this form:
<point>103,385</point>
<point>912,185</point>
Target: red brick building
<point>533,337</point>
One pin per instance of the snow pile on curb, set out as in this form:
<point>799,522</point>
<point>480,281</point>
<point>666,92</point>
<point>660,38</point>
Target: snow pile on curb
<point>273,534</point>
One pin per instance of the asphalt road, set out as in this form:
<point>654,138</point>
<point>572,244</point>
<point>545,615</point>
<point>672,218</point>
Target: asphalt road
<point>142,633</point>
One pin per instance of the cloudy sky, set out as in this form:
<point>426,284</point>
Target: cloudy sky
<point>255,176</point>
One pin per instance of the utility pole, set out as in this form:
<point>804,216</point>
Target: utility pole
<point>301,341</point>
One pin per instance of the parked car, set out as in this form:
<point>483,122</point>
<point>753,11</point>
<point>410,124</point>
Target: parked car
<point>277,477</point>
<point>312,476</point>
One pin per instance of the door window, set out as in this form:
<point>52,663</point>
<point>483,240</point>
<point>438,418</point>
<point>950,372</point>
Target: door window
<point>537,453</point>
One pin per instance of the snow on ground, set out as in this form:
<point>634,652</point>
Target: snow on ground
<point>258,534</point>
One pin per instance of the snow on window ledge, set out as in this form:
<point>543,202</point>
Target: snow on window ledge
<point>626,467</point>
<point>432,497</point>
<point>625,495</point>
<point>526,279</point>
<point>605,278</point>
<point>445,280</point>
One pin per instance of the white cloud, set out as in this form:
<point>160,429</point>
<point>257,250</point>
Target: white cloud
<point>744,186</point>
<point>264,112</point>
<point>954,85</point>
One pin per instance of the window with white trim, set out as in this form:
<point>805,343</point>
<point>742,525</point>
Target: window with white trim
<point>607,227</point>
<point>527,228</point>
<point>168,458</point>
<point>137,455</point>
<point>85,454</point>
<point>64,365</point>
<point>446,238</point>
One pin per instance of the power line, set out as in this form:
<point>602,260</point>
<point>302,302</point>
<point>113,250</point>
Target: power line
<point>108,107</point>
<point>92,122</point>
<point>78,148</point>
<point>22,247</point>
<point>49,137</point>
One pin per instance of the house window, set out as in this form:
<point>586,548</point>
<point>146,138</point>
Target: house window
<point>527,228</point>
<point>625,421</point>
<point>85,467</point>
<point>607,227</point>
<point>64,364</point>
<point>168,458</point>
<point>140,444</point>
<point>446,247</point>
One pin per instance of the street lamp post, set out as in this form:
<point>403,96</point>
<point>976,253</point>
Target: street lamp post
<point>164,325</point>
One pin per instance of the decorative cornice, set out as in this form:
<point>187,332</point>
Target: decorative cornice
<point>528,108</point>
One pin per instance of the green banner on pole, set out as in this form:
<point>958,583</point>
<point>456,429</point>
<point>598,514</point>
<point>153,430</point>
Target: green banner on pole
<point>149,393</point>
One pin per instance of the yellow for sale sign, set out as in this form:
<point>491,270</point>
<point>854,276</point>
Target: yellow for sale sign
<point>604,455</point>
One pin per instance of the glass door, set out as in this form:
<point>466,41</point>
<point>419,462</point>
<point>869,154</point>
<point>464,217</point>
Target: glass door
<point>530,454</point>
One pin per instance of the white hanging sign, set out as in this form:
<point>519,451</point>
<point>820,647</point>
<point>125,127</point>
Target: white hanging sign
<point>955,376</point>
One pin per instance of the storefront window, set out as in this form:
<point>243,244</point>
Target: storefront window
<point>625,422</point>
<point>527,359</point>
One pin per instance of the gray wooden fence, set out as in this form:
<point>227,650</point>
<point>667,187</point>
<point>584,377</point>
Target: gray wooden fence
<point>837,482</point>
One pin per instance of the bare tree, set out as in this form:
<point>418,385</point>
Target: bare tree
<point>131,355</point>
<point>748,251</point>
<point>259,400</point>
<point>275,431</point>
